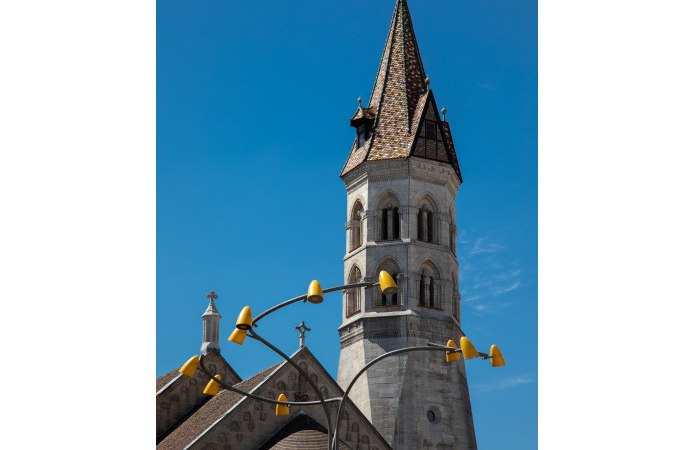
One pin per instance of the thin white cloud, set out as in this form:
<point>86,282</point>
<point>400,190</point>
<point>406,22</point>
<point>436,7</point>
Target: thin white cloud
<point>485,277</point>
<point>482,245</point>
<point>504,290</point>
<point>507,383</point>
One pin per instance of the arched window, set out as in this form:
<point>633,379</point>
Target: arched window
<point>427,225</point>
<point>353,295</point>
<point>429,287</point>
<point>390,266</point>
<point>356,236</point>
<point>388,219</point>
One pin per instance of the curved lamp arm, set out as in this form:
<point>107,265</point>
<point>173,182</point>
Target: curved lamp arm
<point>429,347</point>
<point>304,297</point>
<point>258,397</point>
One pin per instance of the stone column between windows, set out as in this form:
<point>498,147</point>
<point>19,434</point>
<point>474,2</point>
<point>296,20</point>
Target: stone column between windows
<point>417,279</point>
<point>372,225</point>
<point>426,301</point>
<point>441,227</point>
<point>402,289</point>
<point>403,223</point>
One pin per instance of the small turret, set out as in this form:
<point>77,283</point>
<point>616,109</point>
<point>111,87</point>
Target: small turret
<point>211,326</point>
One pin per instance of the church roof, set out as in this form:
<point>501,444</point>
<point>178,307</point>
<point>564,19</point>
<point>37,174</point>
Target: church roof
<point>163,380</point>
<point>166,378</point>
<point>301,433</point>
<point>224,414</point>
<point>399,100</point>
<point>210,412</point>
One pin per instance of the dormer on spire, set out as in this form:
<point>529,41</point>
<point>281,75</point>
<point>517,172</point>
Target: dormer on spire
<point>363,120</point>
<point>211,326</point>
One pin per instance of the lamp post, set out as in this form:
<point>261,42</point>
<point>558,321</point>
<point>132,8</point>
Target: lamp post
<point>245,325</point>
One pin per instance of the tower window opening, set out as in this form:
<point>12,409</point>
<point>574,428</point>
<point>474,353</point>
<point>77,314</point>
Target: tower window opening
<point>354,294</point>
<point>432,304</point>
<point>430,130</point>
<point>356,235</point>
<point>390,266</point>
<point>429,289</point>
<point>389,300</point>
<point>384,230</point>
<point>361,135</point>
<point>387,223</point>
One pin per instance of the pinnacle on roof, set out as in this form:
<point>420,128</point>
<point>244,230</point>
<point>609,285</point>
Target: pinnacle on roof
<point>388,128</point>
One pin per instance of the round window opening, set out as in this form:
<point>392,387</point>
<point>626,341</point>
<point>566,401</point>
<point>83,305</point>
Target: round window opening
<point>434,415</point>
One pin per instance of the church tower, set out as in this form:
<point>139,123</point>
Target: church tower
<point>402,177</point>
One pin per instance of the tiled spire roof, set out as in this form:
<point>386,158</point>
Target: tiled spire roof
<point>399,99</point>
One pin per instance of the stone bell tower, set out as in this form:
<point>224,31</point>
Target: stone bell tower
<point>402,177</point>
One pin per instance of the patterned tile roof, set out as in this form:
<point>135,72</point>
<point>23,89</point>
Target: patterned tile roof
<point>208,413</point>
<point>301,433</point>
<point>399,97</point>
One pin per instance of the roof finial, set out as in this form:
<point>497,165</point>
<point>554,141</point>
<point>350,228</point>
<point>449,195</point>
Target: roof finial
<point>444,111</point>
<point>427,83</point>
<point>211,326</point>
<point>302,329</point>
<point>359,100</point>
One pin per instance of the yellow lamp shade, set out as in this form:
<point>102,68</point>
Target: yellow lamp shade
<point>387,284</point>
<point>212,388</point>
<point>314,293</point>
<point>237,336</point>
<point>189,367</point>
<point>245,319</point>
<point>282,410</point>
<point>451,356</point>
<point>497,359</point>
<point>469,350</point>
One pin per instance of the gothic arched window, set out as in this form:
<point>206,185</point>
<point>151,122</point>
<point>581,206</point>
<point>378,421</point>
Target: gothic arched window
<point>388,219</point>
<point>429,287</point>
<point>356,238</point>
<point>354,294</point>
<point>427,225</point>
<point>390,266</point>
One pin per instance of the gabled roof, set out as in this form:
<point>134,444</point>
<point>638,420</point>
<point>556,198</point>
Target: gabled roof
<point>163,380</point>
<point>222,418</point>
<point>399,97</point>
<point>210,412</point>
<point>301,433</point>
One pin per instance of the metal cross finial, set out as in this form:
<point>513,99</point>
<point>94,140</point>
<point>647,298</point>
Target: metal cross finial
<point>302,329</point>
<point>212,296</point>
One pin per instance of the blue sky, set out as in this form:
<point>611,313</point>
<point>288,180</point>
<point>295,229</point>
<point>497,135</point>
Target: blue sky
<point>253,105</point>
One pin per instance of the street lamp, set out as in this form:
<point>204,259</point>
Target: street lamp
<point>245,325</point>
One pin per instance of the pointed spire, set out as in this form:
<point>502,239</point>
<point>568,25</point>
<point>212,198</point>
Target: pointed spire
<point>401,78</point>
<point>211,326</point>
<point>398,100</point>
